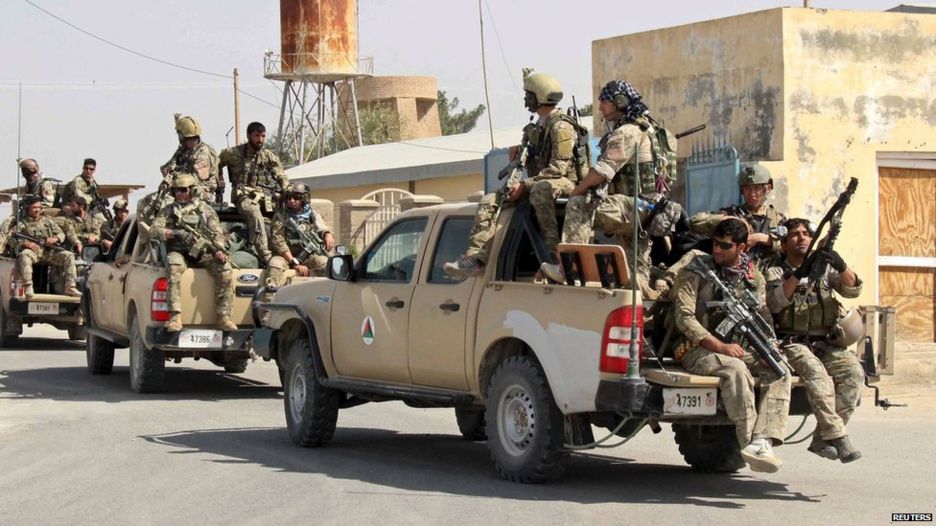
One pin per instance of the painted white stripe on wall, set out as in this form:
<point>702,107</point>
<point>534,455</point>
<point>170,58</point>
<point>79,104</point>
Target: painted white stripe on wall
<point>906,261</point>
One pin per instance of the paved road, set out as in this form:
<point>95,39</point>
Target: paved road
<point>77,449</point>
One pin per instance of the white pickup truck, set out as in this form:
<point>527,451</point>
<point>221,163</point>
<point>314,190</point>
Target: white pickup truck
<point>125,306</point>
<point>529,366</point>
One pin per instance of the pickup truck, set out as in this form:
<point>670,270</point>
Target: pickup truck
<point>529,366</point>
<point>47,305</point>
<point>125,306</point>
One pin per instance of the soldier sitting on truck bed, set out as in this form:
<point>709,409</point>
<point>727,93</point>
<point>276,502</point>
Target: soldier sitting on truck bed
<point>79,226</point>
<point>49,251</point>
<point>257,181</point>
<point>112,226</point>
<point>195,158</point>
<point>36,184</point>
<point>193,236</point>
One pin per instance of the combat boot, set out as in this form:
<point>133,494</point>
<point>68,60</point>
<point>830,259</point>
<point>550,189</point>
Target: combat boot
<point>175,322</point>
<point>760,456</point>
<point>822,448</point>
<point>73,292</point>
<point>846,453</point>
<point>226,323</point>
<point>552,271</point>
<point>28,291</point>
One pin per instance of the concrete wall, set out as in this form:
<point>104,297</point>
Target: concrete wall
<point>412,98</point>
<point>815,93</point>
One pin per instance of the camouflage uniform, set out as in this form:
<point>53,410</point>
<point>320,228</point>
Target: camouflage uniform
<point>110,228</point>
<point>285,238</point>
<point>44,189</point>
<point>202,162</point>
<point>255,179</point>
<point>202,218</point>
<point>703,224</point>
<point>552,174</point>
<point>148,207</point>
<point>42,228</point>
<point>809,317</point>
<point>736,386</point>
<point>612,213</point>
<point>81,187</point>
<point>82,228</point>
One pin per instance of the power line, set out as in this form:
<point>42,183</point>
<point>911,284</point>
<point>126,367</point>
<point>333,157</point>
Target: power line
<point>501,47</point>
<point>144,55</point>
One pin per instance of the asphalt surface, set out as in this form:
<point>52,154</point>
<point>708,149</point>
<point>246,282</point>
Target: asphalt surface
<point>82,449</point>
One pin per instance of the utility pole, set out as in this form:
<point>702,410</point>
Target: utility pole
<point>487,98</point>
<point>237,127</point>
<point>19,134</point>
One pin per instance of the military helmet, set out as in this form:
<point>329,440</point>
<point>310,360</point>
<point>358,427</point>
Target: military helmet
<point>184,180</point>
<point>187,126</point>
<point>29,167</point>
<point>847,330</point>
<point>298,188</point>
<point>120,204</point>
<point>753,173</point>
<point>545,88</point>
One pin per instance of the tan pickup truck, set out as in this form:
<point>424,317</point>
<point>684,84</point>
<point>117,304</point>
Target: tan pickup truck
<point>529,366</point>
<point>125,306</point>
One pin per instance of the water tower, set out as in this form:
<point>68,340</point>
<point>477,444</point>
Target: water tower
<point>318,62</point>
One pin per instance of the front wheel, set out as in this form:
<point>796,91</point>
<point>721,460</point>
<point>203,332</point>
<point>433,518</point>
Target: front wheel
<point>524,425</point>
<point>709,449</point>
<point>311,408</point>
<point>77,332</point>
<point>147,366</point>
<point>471,423</point>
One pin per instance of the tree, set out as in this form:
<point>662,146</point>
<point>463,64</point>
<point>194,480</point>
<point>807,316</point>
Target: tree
<point>587,110</point>
<point>461,122</point>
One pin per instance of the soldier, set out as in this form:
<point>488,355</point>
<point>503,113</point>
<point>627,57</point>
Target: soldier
<point>257,179</point>
<point>29,253</point>
<point>756,185</point>
<point>150,205</point>
<point>552,168</point>
<point>80,227</point>
<point>84,186</point>
<point>185,249</point>
<point>193,157</point>
<point>36,184</point>
<point>810,316</point>
<point>589,208</point>
<point>300,238</point>
<point>112,226</point>
<point>704,353</point>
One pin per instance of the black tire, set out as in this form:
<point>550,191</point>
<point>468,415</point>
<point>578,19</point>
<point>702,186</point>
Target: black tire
<point>524,425</point>
<point>236,366</point>
<point>6,340</point>
<point>147,366</point>
<point>709,449</point>
<point>98,351</point>
<point>311,408</point>
<point>471,423</point>
<point>77,332</point>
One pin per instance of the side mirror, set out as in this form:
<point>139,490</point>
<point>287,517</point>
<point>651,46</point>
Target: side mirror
<point>91,252</point>
<point>341,250</point>
<point>341,268</point>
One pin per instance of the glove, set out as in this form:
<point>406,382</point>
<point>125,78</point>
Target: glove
<point>803,270</point>
<point>834,259</point>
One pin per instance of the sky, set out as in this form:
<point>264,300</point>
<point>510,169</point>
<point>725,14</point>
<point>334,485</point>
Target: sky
<point>84,98</point>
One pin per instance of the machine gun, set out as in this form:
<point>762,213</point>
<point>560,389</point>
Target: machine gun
<point>741,315</point>
<point>38,241</point>
<point>200,243</point>
<point>818,266</point>
<point>310,241</point>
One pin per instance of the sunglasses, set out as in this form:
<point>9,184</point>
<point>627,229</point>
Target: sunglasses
<point>90,168</point>
<point>180,190</point>
<point>724,245</point>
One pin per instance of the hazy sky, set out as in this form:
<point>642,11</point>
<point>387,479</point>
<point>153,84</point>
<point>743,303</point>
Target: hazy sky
<point>82,97</point>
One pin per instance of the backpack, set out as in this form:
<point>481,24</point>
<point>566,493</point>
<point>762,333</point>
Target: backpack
<point>663,146</point>
<point>581,152</point>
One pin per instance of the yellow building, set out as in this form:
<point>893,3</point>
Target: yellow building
<point>818,96</point>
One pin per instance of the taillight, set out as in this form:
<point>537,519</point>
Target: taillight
<point>615,344</point>
<point>159,306</point>
<point>17,289</point>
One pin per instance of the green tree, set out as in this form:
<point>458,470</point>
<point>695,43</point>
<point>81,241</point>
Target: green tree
<point>587,110</point>
<point>460,122</point>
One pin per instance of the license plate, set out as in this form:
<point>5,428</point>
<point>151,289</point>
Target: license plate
<point>46,309</point>
<point>689,401</point>
<point>200,338</point>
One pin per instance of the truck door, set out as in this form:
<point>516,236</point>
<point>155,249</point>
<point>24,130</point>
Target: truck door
<point>115,279</point>
<point>370,320</point>
<point>439,315</point>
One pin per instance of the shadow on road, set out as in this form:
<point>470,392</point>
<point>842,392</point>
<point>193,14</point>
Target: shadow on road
<point>449,464</point>
<point>76,384</point>
<point>44,344</point>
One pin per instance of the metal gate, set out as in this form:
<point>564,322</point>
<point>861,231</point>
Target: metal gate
<point>712,177</point>
<point>389,209</point>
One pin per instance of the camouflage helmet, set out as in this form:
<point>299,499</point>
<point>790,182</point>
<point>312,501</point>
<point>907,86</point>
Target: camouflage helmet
<point>298,188</point>
<point>121,204</point>
<point>545,88</point>
<point>753,173</point>
<point>184,180</point>
<point>29,167</point>
<point>187,126</point>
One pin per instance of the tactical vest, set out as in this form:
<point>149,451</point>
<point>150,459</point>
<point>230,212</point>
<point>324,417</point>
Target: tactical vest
<point>540,147</point>
<point>294,237</point>
<point>191,215</point>
<point>623,181</point>
<point>258,171</point>
<point>813,312</point>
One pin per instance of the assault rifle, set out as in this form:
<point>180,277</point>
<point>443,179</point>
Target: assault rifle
<point>513,172</point>
<point>819,265</point>
<point>199,241</point>
<point>311,243</point>
<point>99,203</point>
<point>741,315</point>
<point>39,241</point>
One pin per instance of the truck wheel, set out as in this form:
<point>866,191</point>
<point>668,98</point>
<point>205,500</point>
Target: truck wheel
<point>524,426</point>
<point>471,423</point>
<point>6,340</point>
<point>709,449</point>
<point>98,351</point>
<point>311,408</point>
<point>147,366</point>
<point>77,332</point>
<point>236,366</point>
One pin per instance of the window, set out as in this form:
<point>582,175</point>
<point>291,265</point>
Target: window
<point>393,258</point>
<point>453,242</point>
